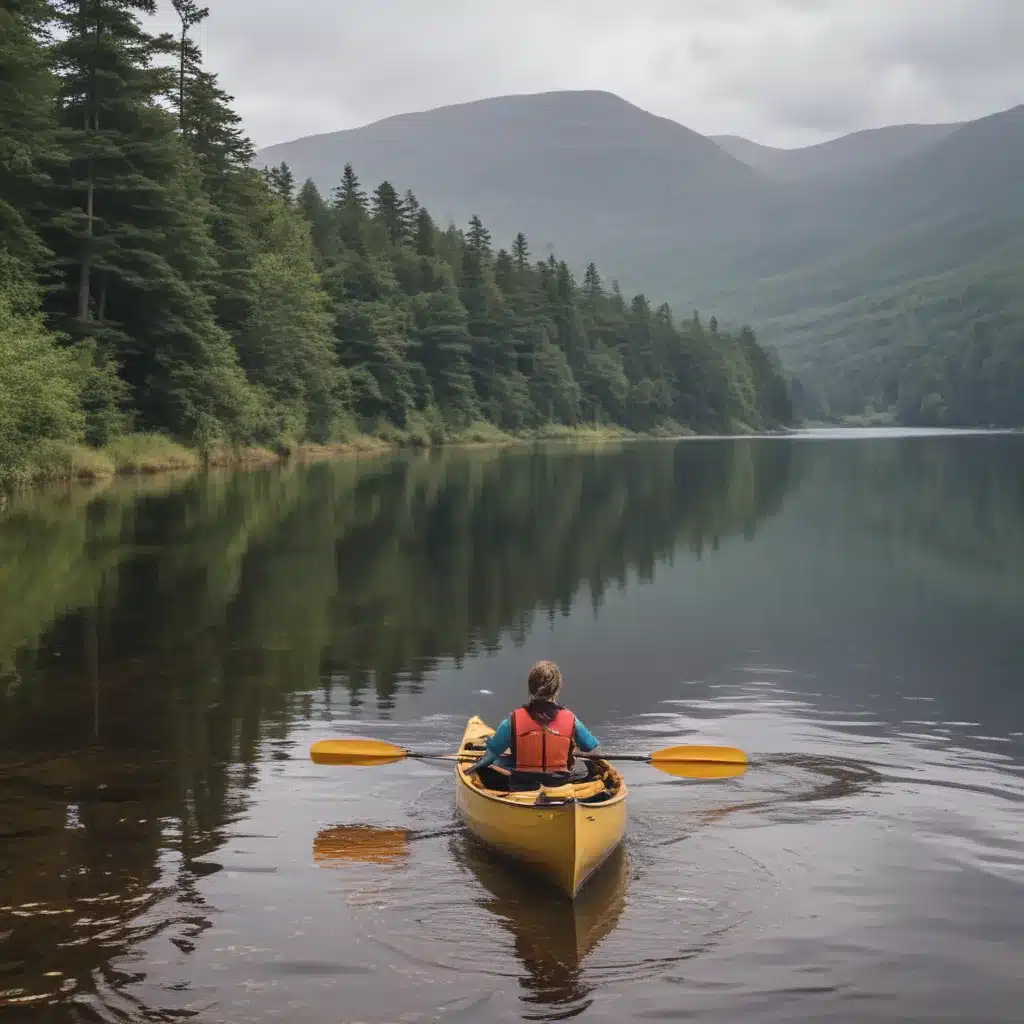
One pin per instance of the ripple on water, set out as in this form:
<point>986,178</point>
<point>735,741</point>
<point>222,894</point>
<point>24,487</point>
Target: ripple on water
<point>675,891</point>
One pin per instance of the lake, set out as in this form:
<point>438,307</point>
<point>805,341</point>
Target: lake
<point>847,607</point>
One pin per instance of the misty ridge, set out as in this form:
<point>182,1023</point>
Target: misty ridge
<point>883,265</point>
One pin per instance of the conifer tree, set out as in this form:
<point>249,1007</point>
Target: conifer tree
<point>388,212</point>
<point>130,234</point>
<point>28,141</point>
<point>520,251</point>
<point>189,14</point>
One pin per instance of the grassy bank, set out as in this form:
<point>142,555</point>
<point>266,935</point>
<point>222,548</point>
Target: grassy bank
<point>147,454</point>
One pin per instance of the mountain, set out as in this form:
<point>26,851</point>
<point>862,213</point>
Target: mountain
<point>884,265</point>
<point>905,284</point>
<point>849,156</point>
<point>579,171</point>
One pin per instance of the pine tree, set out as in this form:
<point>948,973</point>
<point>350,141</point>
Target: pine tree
<point>478,240</point>
<point>311,206</point>
<point>520,251</point>
<point>351,209</point>
<point>425,241</point>
<point>28,136</point>
<point>190,15</point>
<point>442,345</point>
<point>410,213</point>
<point>387,211</point>
<point>281,182</point>
<point>215,136</point>
<point>593,289</point>
<point>504,272</point>
<point>132,237</point>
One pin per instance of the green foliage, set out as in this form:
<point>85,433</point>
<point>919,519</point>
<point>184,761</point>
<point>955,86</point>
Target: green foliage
<point>943,351</point>
<point>27,115</point>
<point>64,461</point>
<point>39,381</point>
<point>149,453</point>
<point>430,319</point>
<point>287,346</point>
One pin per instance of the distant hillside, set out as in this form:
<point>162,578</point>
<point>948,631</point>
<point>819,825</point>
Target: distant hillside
<point>926,256</point>
<point>849,156</point>
<point>836,253</point>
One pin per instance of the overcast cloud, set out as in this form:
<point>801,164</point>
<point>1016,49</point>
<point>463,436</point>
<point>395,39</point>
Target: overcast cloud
<point>783,72</point>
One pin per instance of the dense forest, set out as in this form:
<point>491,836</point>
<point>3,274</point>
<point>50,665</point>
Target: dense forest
<point>884,265</point>
<point>942,350</point>
<point>152,280</point>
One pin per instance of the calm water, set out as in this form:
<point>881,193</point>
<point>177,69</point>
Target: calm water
<point>850,612</point>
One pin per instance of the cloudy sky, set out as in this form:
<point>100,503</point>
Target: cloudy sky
<point>783,72</point>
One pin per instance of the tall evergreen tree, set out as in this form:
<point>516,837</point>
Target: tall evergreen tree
<point>425,240</point>
<point>520,251</point>
<point>130,234</point>
<point>189,14</point>
<point>28,137</point>
<point>387,210</point>
<point>478,240</point>
<point>282,182</point>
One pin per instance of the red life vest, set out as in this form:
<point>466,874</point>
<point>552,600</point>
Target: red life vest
<point>542,748</point>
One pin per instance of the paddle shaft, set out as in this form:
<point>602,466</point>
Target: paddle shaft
<point>641,758</point>
<point>476,757</point>
<point>369,752</point>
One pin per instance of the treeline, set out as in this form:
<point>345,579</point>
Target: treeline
<point>152,280</point>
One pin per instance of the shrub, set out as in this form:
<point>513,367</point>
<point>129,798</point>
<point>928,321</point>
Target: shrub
<point>149,453</point>
<point>39,385</point>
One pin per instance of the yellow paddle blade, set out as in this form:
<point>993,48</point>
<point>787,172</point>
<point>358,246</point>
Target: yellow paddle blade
<point>363,753</point>
<point>700,769</point>
<point>711,755</point>
<point>342,844</point>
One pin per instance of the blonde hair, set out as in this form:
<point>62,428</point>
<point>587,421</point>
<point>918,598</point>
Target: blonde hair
<point>544,681</point>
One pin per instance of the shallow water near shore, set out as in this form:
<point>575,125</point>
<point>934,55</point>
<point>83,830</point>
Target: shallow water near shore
<point>848,613</point>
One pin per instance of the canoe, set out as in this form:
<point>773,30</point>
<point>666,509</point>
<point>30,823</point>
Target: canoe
<point>556,832</point>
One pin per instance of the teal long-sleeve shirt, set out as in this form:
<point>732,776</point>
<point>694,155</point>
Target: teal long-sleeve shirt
<point>499,742</point>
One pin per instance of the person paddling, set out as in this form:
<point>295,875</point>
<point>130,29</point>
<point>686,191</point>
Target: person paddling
<point>541,736</point>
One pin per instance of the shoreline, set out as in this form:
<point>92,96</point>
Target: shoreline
<point>91,467</point>
<point>153,455</point>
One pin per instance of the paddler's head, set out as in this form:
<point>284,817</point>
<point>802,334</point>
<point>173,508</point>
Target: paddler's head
<point>544,681</point>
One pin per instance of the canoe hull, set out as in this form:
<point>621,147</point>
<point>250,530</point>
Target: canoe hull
<point>564,843</point>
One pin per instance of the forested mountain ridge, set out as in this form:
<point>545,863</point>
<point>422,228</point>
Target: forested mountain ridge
<point>852,257</point>
<point>899,292</point>
<point>581,170</point>
<point>151,279</point>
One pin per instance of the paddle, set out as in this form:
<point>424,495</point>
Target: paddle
<point>699,762</point>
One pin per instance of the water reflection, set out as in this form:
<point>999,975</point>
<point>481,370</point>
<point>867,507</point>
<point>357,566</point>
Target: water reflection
<point>162,642</point>
<point>552,937</point>
<point>340,845</point>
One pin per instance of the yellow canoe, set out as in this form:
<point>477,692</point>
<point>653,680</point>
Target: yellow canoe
<point>553,831</point>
